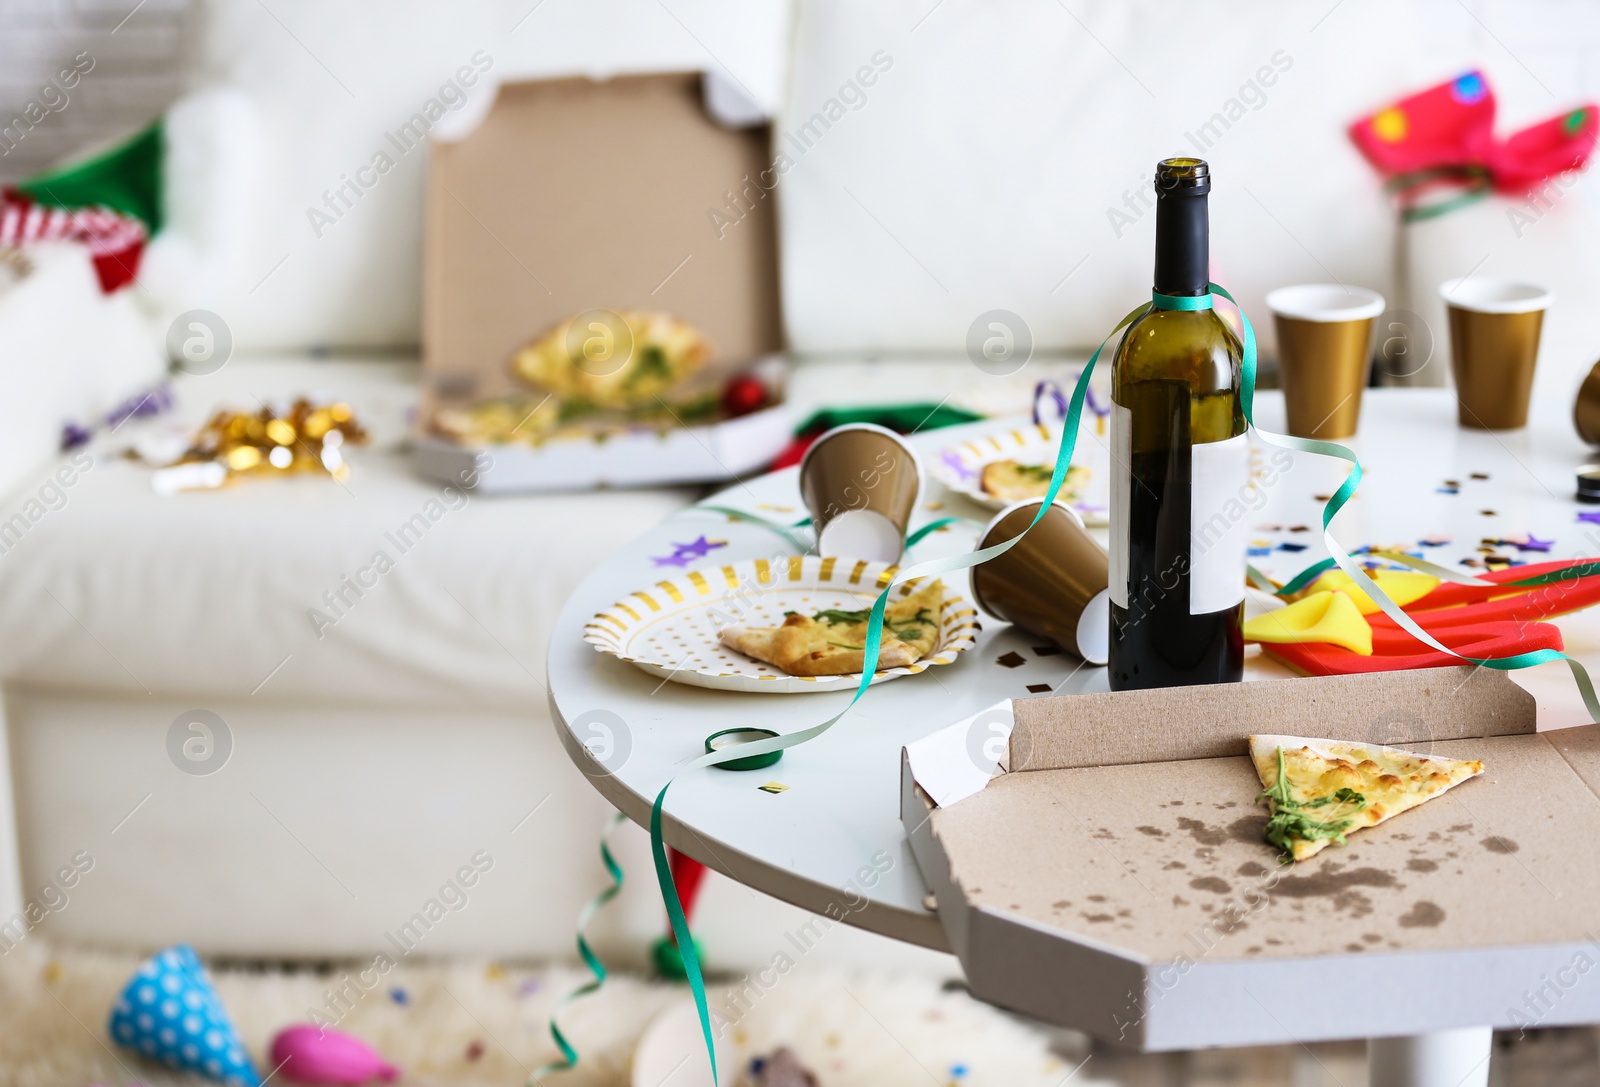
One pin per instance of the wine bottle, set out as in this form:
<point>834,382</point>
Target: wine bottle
<point>1180,464</point>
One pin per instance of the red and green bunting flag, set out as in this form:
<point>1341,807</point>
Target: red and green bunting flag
<point>110,203</point>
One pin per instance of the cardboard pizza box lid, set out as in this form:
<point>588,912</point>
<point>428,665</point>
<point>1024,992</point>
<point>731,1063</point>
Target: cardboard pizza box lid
<point>572,195</point>
<point>1114,878</point>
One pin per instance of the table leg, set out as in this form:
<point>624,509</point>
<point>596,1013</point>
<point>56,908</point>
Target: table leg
<point>1446,1058</point>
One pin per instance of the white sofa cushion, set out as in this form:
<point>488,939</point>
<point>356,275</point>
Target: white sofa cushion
<point>118,590</point>
<point>325,81</point>
<point>995,155</point>
<point>70,354</point>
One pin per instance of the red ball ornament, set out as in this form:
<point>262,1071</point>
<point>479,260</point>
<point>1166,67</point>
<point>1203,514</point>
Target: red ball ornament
<point>743,395</point>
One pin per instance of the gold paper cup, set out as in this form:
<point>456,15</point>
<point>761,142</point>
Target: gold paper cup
<point>1324,354</point>
<point>861,483</point>
<point>1053,583</point>
<point>1494,343</point>
<point>1586,411</point>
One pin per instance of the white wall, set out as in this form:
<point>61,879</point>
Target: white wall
<point>995,156</point>
<point>135,74</point>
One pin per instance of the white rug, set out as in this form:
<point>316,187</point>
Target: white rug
<point>470,1024</point>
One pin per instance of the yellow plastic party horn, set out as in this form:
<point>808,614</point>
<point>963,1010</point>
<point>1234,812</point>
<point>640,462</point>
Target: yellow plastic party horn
<point>1329,618</point>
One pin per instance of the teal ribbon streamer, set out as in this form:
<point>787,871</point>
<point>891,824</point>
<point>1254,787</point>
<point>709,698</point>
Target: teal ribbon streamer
<point>1443,573</point>
<point>750,518</point>
<point>1342,559</point>
<point>937,567</point>
<point>800,545</point>
<point>1182,301</point>
<point>874,639</point>
<point>569,1055</point>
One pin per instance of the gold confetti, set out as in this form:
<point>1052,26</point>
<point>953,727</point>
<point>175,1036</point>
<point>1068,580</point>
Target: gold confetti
<point>773,787</point>
<point>52,973</point>
<point>306,438</point>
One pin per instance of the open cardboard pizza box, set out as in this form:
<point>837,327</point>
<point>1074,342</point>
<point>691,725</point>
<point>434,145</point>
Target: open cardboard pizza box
<point>574,195</point>
<point>1111,875</point>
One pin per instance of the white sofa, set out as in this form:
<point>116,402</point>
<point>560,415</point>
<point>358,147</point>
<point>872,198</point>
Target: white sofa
<point>978,170</point>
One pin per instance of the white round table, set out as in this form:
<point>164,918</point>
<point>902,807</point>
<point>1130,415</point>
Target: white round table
<point>1425,479</point>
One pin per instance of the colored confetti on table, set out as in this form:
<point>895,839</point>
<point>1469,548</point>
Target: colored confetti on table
<point>1590,516</point>
<point>1530,542</point>
<point>1039,688</point>
<point>1291,547</point>
<point>685,553</point>
<point>1434,541</point>
<point>951,460</point>
<point>1012,659</point>
<point>399,996</point>
<point>1046,650</point>
<point>773,787</point>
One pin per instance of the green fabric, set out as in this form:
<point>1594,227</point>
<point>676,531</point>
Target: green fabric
<point>902,418</point>
<point>668,960</point>
<point>128,178</point>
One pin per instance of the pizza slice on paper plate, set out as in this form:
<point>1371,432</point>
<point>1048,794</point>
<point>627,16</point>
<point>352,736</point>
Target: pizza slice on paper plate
<point>1319,791</point>
<point>832,642</point>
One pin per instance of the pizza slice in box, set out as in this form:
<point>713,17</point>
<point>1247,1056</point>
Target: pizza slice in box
<point>1319,791</point>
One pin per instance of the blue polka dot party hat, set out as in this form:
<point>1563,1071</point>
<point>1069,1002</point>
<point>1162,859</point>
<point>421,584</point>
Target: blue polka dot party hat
<point>169,1012</point>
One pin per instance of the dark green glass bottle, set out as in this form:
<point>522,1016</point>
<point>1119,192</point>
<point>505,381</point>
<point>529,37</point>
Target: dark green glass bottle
<point>1180,465</point>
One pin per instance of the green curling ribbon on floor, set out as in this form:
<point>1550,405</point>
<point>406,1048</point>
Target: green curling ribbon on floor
<point>569,1055</point>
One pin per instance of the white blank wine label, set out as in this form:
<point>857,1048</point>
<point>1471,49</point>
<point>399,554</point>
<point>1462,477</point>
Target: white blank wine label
<point>1121,492</point>
<point>1219,537</point>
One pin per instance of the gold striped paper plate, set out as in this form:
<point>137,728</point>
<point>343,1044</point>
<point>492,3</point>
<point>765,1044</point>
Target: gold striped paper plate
<point>960,467</point>
<point>669,629</point>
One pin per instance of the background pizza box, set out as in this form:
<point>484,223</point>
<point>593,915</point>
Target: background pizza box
<point>571,195</point>
<point>1110,876</point>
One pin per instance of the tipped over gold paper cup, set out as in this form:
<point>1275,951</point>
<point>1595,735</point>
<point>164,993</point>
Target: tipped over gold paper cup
<point>1324,354</point>
<point>861,483</point>
<point>1053,583</point>
<point>1494,343</point>
<point>1586,410</point>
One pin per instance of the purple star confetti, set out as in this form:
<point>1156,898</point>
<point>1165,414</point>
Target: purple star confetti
<point>699,549</point>
<point>684,553</point>
<point>1530,542</point>
<point>952,460</point>
<point>1591,516</point>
